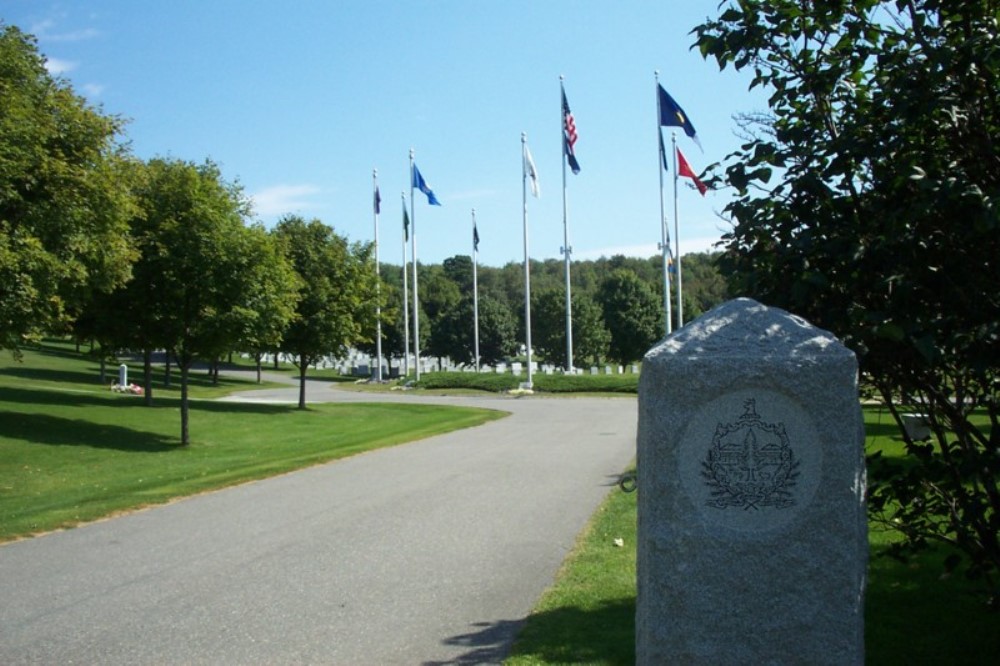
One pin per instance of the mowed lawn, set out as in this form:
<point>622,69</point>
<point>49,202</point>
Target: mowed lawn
<point>72,451</point>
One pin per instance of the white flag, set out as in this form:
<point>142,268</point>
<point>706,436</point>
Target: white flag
<point>529,169</point>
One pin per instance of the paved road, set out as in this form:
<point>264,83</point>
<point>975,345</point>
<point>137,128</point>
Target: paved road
<point>428,553</point>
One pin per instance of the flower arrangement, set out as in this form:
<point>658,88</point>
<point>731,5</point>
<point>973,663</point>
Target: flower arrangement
<point>131,389</point>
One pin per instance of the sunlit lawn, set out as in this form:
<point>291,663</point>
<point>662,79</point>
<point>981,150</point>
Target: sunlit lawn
<point>72,451</point>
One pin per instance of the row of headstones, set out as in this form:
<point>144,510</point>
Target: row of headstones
<point>352,364</point>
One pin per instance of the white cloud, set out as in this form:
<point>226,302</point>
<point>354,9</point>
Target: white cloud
<point>93,89</point>
<point>688,246</point>
<point>57,67</point>
<point>43,30</point>
<point>280,199</point>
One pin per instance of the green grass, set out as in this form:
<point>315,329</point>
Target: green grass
<point>588,616</point>
<point>542,383</point>
<point>71,451</point>
<point>913,613</point>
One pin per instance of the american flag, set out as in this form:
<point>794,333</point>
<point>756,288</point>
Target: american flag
<point>569,135</point>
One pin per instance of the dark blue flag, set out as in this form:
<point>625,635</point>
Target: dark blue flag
<point>672,115</point>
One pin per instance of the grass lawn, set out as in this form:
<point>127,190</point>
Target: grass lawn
<point>71,451</point>
<point>913,614</point>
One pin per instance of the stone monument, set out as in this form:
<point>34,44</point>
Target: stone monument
<point>752,533</point>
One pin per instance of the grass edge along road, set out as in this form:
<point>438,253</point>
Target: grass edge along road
<point>914,614</point>
<point>71,451</point>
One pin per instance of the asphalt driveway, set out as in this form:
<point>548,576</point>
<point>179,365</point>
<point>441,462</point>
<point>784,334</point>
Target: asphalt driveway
<point>428,553</point>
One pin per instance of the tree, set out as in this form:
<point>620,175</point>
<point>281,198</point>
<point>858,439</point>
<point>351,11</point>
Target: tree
<point>438,295</point>
<point>188,294</point>
<point>268,295</point>
<point>64,200</point>
<point>548,317</point>
<point>338,291</point>
<point>633,315</point>
<point>497,331</point>
<point>883,137</point>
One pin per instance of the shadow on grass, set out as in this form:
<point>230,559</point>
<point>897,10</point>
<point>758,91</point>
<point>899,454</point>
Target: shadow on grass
<point>61,376</point>
<point>58,431</point>
<point>28,396</point>
<point>602,635</point>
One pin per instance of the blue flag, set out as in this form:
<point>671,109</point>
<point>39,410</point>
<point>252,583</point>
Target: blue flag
<point>672,115</point>
<point>475,238</point>
<point>420,184</point>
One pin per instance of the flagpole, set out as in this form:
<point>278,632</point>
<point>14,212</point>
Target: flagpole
<point>378,285</point>
<point>677,237</point>
<point>475,290</point>
<point>664,226</point>
<point>527,268</point>
<point>416,293</point>
<point>406,298</point>
<point>567,249</point>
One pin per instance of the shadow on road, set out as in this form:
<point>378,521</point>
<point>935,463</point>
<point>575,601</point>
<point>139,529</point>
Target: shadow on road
<point>604,635</point>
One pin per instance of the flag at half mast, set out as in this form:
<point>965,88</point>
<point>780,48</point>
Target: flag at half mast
<point>530,171</point>
<point>684,169</point>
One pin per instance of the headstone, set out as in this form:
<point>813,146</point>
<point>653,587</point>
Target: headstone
<point>593,370</point>
<point>752,534</point>
<point>635,369</point>
<point>515,368</point>
<point>123,375</point>
<point>607,369</point>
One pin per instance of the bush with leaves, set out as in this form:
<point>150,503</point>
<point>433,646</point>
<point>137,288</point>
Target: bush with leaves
<point>881,224</point>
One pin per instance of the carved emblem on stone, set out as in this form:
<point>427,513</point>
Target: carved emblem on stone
<point>750,464</point>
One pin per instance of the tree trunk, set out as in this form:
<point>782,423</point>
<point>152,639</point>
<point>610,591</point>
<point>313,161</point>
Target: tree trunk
<point>303,366</point>
<point>166,369</point>
<point>147,377</point>
<point>185,436</point>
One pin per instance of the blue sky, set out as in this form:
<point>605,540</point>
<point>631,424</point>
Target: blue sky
<point>300,101</point>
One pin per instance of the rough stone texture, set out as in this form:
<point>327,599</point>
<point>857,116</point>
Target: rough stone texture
<point>752,544</point>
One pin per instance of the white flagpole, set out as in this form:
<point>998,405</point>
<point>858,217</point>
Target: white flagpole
<point>527,269</point>
<point>567,249</point>
<point>416,294</point>
<point>677,237</point>
<point>475,291</point>
<point>378,284</point>
<point>406,300</point>
<point>664,226</point>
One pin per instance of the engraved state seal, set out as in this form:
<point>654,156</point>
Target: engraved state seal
<point>750,464</point>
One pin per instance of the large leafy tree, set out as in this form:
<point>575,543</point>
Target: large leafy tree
<point>633,315</point>
<point>338,291</point>
<point>64,199</point>
<point>868,202</point>
<point>197,261</point>
<point>265,291</point>
<point>548,317</point>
